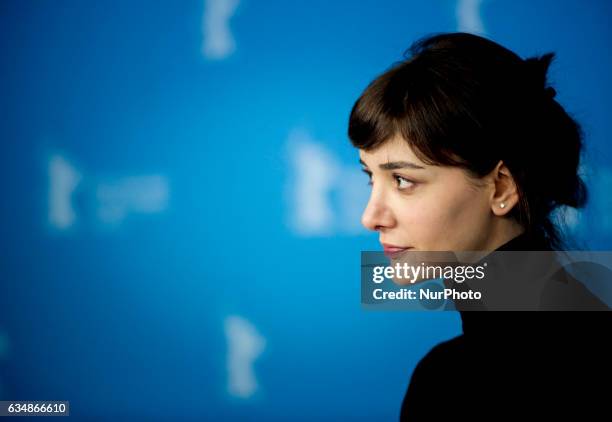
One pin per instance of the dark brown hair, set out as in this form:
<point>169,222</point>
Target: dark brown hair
<point>462,100</point>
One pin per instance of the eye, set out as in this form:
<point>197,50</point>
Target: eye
<point>403,183</point>
<point>369,173</point>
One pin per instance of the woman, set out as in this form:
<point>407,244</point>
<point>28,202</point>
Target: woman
<point>467,149</point>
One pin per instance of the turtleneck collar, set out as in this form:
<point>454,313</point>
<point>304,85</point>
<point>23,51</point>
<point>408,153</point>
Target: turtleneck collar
<point>525,242</point>
<point>477,321</point>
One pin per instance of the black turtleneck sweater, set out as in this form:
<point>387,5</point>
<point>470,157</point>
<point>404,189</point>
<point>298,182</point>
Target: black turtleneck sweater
<point>516,364</point>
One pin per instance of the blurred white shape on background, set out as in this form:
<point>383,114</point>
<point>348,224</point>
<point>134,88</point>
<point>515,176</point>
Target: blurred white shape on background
<point>315,171</point>
<point>324,196</point>
<point>63,180</point>
<point>144,194</point>
<point>111,199</point>
<point>218,42</point>
<point>469,16</point>
<point>244,346</point>
<point>567,216</point>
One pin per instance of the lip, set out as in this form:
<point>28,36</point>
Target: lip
<point>392,251</point>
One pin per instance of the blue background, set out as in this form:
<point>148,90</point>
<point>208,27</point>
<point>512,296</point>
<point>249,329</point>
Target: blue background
<point>178,187</point>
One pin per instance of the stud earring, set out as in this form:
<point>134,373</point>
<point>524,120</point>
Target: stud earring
<point>502,205</point>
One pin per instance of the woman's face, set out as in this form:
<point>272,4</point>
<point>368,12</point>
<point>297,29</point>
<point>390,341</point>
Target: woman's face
<point>425,207</point>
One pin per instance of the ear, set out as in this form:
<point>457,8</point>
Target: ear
<point>505,194</point>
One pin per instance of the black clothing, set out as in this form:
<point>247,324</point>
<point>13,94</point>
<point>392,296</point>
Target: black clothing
<point>528,365</point>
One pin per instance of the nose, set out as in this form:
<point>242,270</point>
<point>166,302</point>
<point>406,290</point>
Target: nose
<point>377,214</point>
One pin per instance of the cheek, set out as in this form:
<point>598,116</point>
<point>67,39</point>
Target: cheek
<point>445,218</point>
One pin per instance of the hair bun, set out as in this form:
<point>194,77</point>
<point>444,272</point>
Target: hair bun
<point>536,69</point>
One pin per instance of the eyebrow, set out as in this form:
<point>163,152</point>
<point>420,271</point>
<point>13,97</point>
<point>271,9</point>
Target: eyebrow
<point>394,165</point>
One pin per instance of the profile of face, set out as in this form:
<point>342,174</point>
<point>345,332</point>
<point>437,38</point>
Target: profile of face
<point>435,208</point>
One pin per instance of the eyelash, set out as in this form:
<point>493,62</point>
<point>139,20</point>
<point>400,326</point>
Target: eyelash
<point>397,177</point>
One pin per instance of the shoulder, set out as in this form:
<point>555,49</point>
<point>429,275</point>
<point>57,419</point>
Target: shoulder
<point>440,353</point>
<point>439,370</point>
<point>437,366</point>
